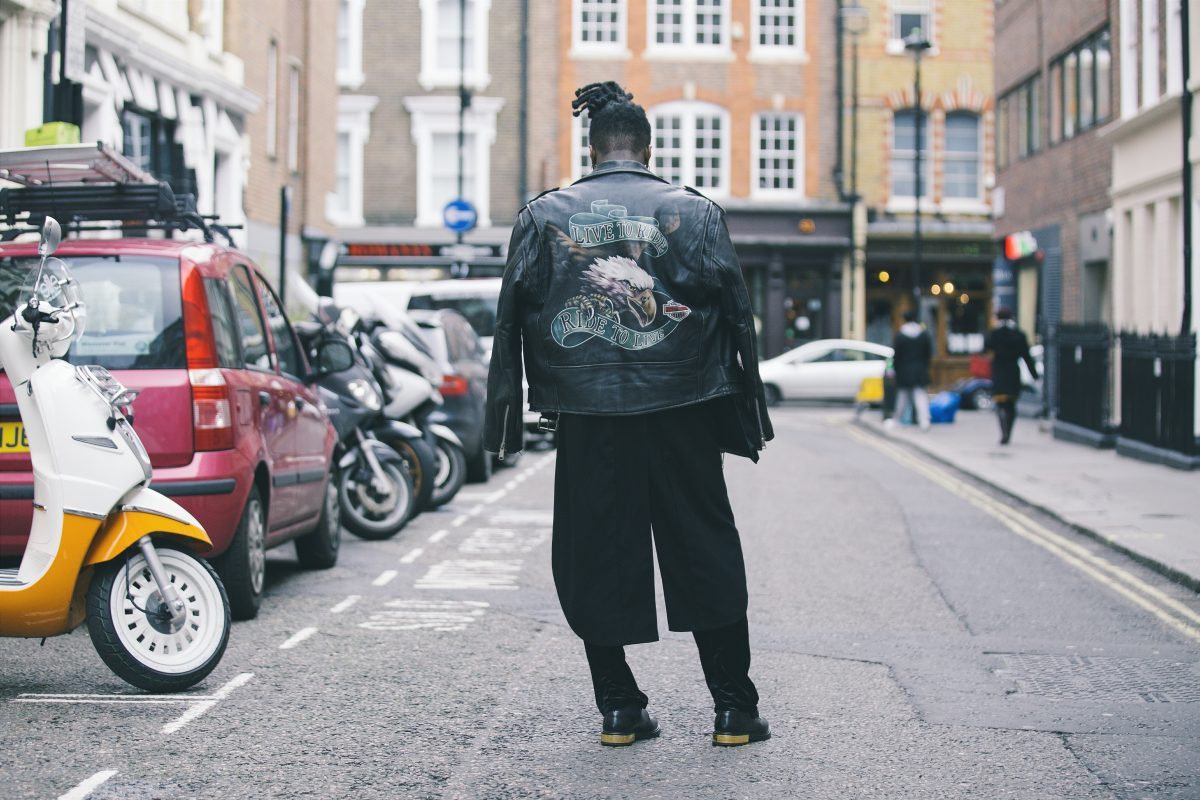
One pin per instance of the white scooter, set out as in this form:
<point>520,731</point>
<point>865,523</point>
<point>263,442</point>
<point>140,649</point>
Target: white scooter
<point>103,547</point>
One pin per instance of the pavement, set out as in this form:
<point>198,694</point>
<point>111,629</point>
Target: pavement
<point>1147,511</point>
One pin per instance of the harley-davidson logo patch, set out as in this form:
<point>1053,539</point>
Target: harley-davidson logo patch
<point>676,311</point>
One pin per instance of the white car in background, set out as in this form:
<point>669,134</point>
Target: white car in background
<point>827,369</point>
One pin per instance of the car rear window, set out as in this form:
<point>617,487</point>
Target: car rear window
<point>134,310</point>
<point>479,311</point>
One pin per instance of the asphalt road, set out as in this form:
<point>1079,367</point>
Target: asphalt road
<point>914,637</point>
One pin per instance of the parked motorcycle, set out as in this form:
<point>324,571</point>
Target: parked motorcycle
<point>104,548</point>
<point>409,378</point>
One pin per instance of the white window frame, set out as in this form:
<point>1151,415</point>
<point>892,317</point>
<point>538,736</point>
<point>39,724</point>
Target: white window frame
<point>1174,47</point>
<point>432,114</point>
<point>974,204</point>
<point>896,46</point>
<point>1128,60</point>
<point>351,76</point>
<point>579,153</point>
<point>618,49</point>
<point>432,76</point>
<point>1151,42</point>
<point>272,99</point>
<point>293,131</point>
<point>796,53</point>
<point>908,202</point>
<point>688,110</point>
<point>214,25</point>
<point>760,193</point>
<point>688,49</point>
<point>354,120</point>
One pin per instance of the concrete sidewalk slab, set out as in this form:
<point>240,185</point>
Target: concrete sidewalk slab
<point>1148,511</point>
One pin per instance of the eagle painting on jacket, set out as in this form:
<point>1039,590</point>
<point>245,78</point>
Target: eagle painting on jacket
<point>619,289</point>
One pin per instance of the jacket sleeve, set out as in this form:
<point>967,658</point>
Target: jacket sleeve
<point>737,314</point>
<point>1029,362</point>
<point>503,426</point>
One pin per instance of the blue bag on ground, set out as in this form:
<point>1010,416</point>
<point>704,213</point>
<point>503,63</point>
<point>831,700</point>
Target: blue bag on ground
<point>943,406</point>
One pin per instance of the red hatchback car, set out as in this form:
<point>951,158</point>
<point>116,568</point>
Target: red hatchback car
<point>236,433</point>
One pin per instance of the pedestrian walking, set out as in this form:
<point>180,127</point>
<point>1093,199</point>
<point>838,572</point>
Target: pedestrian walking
<point>639,344</point>
<point>912,351</point>
<point>1008,346</point>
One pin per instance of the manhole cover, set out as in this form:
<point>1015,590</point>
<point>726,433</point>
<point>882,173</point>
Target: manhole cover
<point>1114,680</point>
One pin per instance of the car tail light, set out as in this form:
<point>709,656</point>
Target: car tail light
<point>453,386</point>
<point>212,411</point>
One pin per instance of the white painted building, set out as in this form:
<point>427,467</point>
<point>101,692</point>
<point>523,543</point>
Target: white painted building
<point>157,84</point>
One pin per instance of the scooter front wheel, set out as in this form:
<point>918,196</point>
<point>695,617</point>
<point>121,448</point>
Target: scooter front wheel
<point>140,642</point>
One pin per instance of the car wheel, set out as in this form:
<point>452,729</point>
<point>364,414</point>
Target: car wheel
<point>773,395</point>
<point>981,399</point>
<point>319,548</point>
<point>479,468</point>
<point>243,567</point>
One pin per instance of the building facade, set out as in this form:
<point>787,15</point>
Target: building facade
<point>957,168</point>
<point>1057,90</point>
<point>24,38</point>
<point>290,59</point>
<point>739,94</point>
<point>398,130</point>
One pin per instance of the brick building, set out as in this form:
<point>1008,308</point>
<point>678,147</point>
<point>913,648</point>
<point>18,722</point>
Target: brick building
<point>739,94</point>
<point>957,163</point>
<point>289,57</point>
<point>1056,91</point>
<point>398,123</point>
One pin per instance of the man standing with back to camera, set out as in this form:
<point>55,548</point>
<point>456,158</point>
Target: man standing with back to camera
<point>639,341</point>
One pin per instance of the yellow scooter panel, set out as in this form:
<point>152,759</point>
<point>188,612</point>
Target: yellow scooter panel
<point>123,529</point>
<point>53,604</point>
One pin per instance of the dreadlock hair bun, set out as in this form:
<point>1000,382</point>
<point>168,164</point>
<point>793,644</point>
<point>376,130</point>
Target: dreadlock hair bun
<point>615,121</point>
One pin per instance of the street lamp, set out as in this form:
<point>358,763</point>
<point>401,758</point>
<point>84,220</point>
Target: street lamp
<point>855,21</point>
<point>917,44</point>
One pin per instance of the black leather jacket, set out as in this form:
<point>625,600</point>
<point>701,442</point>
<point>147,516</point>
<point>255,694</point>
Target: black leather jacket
<point>627,296</point>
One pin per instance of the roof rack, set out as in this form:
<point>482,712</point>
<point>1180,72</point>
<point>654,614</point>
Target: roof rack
<point>78,184</point>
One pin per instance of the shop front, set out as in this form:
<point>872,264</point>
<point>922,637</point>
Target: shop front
<point>792,259</point>
<point>956,290</point>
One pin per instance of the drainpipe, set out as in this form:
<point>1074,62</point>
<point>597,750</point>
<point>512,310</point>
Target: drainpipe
<point>1186,327</point>
<point>838,166</point>
<point>523,130</point>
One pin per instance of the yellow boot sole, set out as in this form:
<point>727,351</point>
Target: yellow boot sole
<point>617,739</point>
<point>731,739</point>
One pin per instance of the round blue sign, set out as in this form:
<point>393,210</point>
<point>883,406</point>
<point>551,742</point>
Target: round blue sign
<point>459,215</point>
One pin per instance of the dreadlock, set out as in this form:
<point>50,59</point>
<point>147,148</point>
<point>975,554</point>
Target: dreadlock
<point>617,123</point>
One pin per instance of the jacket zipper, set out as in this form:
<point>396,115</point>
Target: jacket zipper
<point>762,436</point>
<point>504,436</point>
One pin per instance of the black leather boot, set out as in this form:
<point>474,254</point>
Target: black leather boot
<point>735,728</point>
<point>627,725</point>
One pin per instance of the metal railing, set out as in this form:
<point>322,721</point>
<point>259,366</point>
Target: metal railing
<point>1158,386</point>
<point>1084,365</point>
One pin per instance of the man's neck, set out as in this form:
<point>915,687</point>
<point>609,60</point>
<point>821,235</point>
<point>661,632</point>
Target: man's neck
<point>619,155</point>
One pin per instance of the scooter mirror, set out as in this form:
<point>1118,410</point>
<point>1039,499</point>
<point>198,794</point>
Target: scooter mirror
<point>51,237</point>
<point>332,355</point>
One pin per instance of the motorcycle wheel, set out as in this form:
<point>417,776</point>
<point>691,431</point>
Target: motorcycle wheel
<point>422,466</point>
<point>319,548</point>
<point>366,512</point>
<point>981,400</point>
<point>143,649</point>
<point>451,473</point>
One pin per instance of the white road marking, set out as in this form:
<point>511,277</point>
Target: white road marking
<point>459,520</point>
<point>518,518</point>
<point>122,701</point>
<point>200,709</point>
<point>412,555</point>
<point>437,536</point>
<point>345,604</point>
<point>475,511</point>
<point>385,577</point>
<point>437,615</point>
<point>297,637</point>
<point>1165,608</point>
<point>503,541</point>
<point>464,574</point>
<point>510,486</point>
<point>478,497</point>
<point>87,787</point>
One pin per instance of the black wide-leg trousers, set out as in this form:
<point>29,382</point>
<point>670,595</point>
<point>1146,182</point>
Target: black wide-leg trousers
<point>625,484</point>
<point>622,486</point>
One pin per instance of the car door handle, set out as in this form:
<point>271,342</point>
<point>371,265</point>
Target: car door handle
<point>264,399</point>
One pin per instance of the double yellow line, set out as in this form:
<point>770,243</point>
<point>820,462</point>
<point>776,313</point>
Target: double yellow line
<point>1167,609</point>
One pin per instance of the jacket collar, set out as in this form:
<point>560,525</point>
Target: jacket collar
<point>610,167</point>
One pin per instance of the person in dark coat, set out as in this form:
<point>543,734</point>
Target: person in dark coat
<point>1008,345</point>
<point>624,302</point>
<point>912,351</point>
